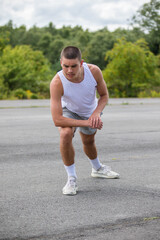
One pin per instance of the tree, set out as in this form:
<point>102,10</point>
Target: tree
<point>131,69</point>
<point>51,29</point>
<point>148,19</point>
<point>21,67</point>
<point>97,48</point>
<point>54,52</point>
<point>130,35</point>
<point>44,43</point>
<point>32,37</point>
<point>4,39</point>
<point>148,16</point>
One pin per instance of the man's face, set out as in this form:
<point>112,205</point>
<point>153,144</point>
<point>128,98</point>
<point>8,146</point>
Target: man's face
<point>71,68</point>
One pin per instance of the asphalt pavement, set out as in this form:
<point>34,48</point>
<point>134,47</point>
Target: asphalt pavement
<point>32,206</point>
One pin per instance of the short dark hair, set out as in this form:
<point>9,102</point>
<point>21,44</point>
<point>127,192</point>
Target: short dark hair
<point>71,52</point>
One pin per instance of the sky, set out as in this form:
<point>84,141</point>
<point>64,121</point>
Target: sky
<point>89,14</point>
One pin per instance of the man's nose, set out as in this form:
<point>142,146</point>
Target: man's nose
<point>70,69</point>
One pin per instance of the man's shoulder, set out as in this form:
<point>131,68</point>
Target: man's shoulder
<point>95,70</point>
<point>56,81</point>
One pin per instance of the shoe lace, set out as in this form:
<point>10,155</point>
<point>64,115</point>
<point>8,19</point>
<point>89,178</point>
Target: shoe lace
<point>72,182</point>
<point>106,168</point>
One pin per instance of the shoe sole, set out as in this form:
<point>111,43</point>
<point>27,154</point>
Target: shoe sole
<point>71,193</point>
<point>103,176</point>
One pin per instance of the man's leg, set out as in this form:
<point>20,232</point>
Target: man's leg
<point>67,153</point>
<point>90,149</point>
<point>66,146</point>
<point>98,170</point>
<point>89,146</point>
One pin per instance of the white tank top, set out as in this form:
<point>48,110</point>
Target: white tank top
<point>80,98</point>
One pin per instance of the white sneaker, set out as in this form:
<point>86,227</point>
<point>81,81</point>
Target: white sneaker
<point>71,187</point>
<point>104,172</point>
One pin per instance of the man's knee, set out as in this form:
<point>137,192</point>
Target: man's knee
<point>66,134</point>
<point>88,139</point>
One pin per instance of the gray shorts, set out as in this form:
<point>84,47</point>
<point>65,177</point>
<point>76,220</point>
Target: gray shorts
<point>86,130</point>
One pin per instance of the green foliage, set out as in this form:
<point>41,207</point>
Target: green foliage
<point>50,41</point>
<point>148,16</point>
<point>130,35</point>
<point>131,69</point>
<point>99,45</point>
<point>29,58</point>
<point>34,96</point>
<point>149,94</point>
<point>148,19</point>
<point>23,68</point>
<point>4,39</point>
<point>55,50</point>
<point>20,94</point>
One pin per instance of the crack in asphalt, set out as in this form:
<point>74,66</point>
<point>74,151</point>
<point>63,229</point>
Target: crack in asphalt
<point>88,231</point>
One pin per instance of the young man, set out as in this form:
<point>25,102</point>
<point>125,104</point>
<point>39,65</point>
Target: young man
<point>74,104</point>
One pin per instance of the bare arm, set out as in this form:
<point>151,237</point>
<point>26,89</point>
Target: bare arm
<point>56,92</point>
<point>103,95</point>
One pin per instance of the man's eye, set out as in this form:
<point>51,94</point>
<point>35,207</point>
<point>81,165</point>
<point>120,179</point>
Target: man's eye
<point>71,66</point>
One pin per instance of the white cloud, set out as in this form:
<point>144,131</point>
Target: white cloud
<point>111,11</point>
<point>86,13</point>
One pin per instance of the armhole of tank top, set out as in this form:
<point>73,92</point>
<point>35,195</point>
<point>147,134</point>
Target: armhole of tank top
<point>60,74</point>
<point>87,68</point>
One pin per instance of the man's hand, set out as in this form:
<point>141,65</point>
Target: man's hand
<point>95,121</point>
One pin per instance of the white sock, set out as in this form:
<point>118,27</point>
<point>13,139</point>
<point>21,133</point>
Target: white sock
<point>95,163</point>
<point>71,172</point>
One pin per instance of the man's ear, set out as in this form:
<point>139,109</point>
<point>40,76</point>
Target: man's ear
<point>82,61</point>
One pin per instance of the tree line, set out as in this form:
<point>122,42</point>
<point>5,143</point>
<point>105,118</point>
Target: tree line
<point>129,58</point>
